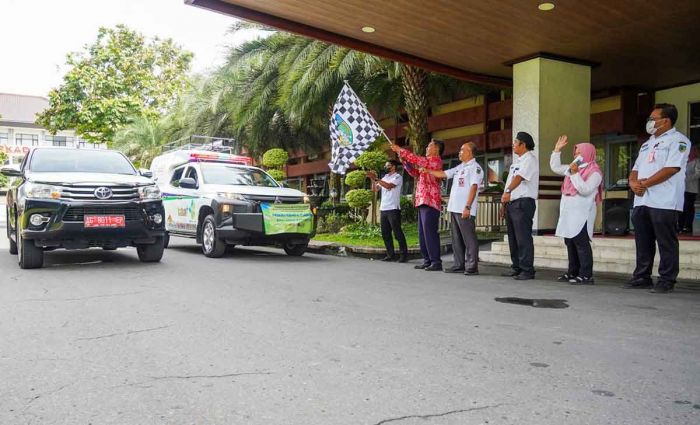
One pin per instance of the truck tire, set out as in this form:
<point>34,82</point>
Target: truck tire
<point>295,250</point>
<point>212,246</point>
<point>151,253</point>
<point>13,244</point>
<point>30,255</point>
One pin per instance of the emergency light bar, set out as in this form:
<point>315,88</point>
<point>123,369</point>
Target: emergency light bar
<point>221,157</point>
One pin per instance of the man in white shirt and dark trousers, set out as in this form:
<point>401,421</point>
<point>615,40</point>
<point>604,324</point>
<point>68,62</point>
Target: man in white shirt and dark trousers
<point>518,206</point>
<point>467,178</point>
<point>658,182</point>
<point>390,210</point>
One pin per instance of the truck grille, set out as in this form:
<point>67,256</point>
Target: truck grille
<point>87,193</point>
<point>273,199</point>
<point>77,214</point>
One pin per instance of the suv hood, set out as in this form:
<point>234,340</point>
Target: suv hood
<point>89,179</point>
<point>254,190</point>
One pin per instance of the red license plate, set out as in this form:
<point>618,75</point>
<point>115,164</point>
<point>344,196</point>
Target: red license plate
<point>104,221</point>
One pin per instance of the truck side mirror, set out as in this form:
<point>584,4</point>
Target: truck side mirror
<point>146,173</point>
<point>188,183</point>
<point>11,171</point>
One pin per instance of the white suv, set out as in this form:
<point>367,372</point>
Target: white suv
<point>218,200</point>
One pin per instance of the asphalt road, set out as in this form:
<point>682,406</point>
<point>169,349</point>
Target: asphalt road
<point>261,338</point>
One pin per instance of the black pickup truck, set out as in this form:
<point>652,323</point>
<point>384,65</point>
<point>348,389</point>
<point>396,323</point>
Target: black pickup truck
<point>81,198</point>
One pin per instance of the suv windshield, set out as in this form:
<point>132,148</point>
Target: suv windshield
<point>80,161</point>
<point>231,174</point>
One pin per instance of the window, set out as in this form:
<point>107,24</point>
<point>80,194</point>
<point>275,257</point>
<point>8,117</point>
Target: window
<point>22,139</point>
<point>60,140</point>
<point>225,174</point>
<point>4,138</point>
<point>177,175</point>
<point>615,154</point>
<point>80,161</point>
<point>192,174</point>
<point>694,120</point>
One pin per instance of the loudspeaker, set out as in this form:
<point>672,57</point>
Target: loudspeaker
<point>616,216</point>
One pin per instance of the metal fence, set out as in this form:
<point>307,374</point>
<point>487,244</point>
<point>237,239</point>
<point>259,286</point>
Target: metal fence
<point>487,214</point>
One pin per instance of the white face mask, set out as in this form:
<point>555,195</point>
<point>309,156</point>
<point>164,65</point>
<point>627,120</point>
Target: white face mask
<point>651,127</point>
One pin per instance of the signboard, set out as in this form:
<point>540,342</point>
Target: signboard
<point>10,150</point>
<point>287,218</point>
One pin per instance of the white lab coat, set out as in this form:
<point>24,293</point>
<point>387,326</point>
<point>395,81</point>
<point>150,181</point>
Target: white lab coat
<point>580,209</point>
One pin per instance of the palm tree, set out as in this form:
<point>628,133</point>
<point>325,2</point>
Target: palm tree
<point>141,140</point>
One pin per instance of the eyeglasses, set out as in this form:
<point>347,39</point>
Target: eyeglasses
<point>655,119</point>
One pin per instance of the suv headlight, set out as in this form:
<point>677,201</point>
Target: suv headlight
<point>42,191</point>
<point>231,196</point>
<point>149,192</point>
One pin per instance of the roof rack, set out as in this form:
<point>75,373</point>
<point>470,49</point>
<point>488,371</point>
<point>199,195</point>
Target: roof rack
<point>203,143</point>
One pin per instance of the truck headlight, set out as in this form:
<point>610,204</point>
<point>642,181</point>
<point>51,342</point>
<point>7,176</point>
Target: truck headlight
<point>231,196</point>
<point>149,192</point>
<point>42,191</point>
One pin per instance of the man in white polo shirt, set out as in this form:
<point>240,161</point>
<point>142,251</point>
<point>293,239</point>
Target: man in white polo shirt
<point>518,205</point>
<point>390,209</point>
<point>658,182</point>
<point>467,179</point>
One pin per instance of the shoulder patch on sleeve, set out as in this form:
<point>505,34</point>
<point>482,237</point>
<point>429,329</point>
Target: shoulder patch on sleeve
<point>478,170</point>
<point>682,146</point>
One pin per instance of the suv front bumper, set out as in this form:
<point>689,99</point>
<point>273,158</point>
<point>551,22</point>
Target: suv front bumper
<point>65,227</point>
<point>248,229</point>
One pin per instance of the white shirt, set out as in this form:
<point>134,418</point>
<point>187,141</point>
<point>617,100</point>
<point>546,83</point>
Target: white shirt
<point>464,175</point>
<point>526,166</point>
<point>671,149</point>
<point>580,209</point>
<point>391,198</point>
<point>692,174</point>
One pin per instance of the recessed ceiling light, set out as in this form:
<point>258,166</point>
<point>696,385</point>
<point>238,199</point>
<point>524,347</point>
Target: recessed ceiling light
<point>368,29</point>
<point>546,6</point>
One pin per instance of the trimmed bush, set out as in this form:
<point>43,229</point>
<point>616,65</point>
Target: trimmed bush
<point>409,213</point>
<point>277,174</point>
<point>359,198</point>
<point>372,160</point>
<point>356,179</point>
<point>275,158</point>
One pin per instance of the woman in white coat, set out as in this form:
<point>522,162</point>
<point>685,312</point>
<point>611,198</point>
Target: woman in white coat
<point>581,191</point>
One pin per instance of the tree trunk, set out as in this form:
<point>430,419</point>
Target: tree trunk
<point>415,81</point>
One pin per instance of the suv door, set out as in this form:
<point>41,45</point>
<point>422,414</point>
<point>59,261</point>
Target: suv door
<point>190,199</point>
<point>173,202</point>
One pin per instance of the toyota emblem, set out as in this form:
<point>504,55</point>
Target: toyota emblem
<point>103,193</point>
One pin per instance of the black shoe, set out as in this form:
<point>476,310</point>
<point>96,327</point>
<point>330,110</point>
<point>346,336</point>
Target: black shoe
<point>471,272</point>
<point>388,258</point>
<point>433,268</point>
<point>454,270</point>
<point>566,277</point>
<point>638,283</point>
<point>403,258</point>
<point>582,281</point>
<point>511,273</point>
<point>662,288</point>
<point>524,276</point>
<point>421,266</point>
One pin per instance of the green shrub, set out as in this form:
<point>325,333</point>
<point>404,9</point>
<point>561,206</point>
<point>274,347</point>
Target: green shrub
<point>409,213</point>
<point>3,180</point>
<point>328,208</point>
<point>361,230</point>
<point>356,179</point>
<point>372,160</point>
<point>359,198</point>
<point>277,174</point>
<point>333,222</point>
<point>275,158</point>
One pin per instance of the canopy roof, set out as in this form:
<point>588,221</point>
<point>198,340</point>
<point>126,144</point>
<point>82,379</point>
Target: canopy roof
<point>649,44</point>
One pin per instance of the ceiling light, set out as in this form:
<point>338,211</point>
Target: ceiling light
<point>368,29</point>
<point>546,6</point>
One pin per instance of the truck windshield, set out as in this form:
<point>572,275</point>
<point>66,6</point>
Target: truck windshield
<point>234,175</point>
<point>80,161</point>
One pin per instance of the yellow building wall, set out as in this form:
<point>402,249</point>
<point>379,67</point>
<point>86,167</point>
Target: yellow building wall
<point>681,97</point>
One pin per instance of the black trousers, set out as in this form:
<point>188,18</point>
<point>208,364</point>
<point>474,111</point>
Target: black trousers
<point>685,222</point>
<point>652,226</point>
<point>390,221</point>
<point>580,254</point>
<point>519,216</point>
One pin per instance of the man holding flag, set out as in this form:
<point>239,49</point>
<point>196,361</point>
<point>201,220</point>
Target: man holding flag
<point>427,199</point>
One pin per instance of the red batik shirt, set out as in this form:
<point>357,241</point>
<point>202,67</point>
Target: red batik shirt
<point>428,188</point>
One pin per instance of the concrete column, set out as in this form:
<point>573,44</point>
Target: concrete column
<point>551,98</point>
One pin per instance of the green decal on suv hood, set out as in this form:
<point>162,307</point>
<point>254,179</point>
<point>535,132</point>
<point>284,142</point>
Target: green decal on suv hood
<point>287,218</point>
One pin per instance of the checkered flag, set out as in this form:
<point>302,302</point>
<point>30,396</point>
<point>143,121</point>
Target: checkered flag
<point>352,128</point>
